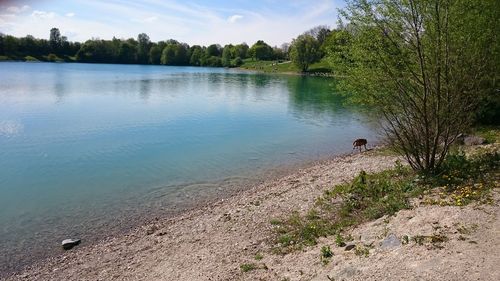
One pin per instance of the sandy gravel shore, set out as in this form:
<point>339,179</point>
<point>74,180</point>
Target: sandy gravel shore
<point>211,243</point>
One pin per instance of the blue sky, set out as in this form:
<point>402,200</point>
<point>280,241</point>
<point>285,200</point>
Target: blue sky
<point>190,21</point>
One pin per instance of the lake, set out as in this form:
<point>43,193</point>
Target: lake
<point>89,149</point>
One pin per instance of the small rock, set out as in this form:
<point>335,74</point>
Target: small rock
<point>470,140</point>
<point>349,247</point>
<point>474,140</point>
<point>348,273</point>
<point>390,242</point>
<point>151,229</point>
<point>226,217</point>
<point>70,243</point>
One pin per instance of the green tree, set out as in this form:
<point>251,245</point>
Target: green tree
<point>55,40</point>
<point>304,51</point>
<point>337,45</point>
<point>168,55</point>
<point>155,54</point>
<point>28,45</point>
<point>319,32</point>
<point>261,51</point>
<point>214,50</point>
<point>143,47</point>
<point>241,51</point>
<point>127,53</point>
<point>197,53</point>
<point>213,61</point>
<point>226,55</point>
<point>422,64</point>
<point>175,54</point>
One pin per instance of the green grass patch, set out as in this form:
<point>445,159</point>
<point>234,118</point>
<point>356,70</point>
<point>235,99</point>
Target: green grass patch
<point>248,267</point>
<point>283,66</point>
<point>30,58</point>
<point>490,133</point>
<point>371,196</point>
<point>5,58</point>
<point>464,179</point>
<point>367,197</point>
<point>384,151</point>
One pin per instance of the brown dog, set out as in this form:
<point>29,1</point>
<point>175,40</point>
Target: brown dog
<point>359,143</point>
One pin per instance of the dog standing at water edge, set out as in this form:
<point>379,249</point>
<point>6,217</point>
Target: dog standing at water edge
<point>359,143</point>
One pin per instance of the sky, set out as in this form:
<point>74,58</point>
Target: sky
<point>190,21</point>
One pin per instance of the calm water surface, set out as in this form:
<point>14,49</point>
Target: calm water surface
<point>87,148</point>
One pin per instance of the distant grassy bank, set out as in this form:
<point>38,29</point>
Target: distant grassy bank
<point>47,58</point>
<point>321,68</point>
<point>286,67</point>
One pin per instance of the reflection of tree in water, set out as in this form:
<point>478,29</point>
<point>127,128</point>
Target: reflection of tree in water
<point>145,89</point>
<point>316,98</point>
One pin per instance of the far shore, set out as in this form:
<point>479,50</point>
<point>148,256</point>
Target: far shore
<point>241,68</point>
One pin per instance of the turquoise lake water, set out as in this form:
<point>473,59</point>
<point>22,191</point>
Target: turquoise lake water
<point>90,148</point>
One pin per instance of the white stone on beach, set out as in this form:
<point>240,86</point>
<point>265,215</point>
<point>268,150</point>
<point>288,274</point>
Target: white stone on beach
<point>70,243</point>
<point>390,242</point>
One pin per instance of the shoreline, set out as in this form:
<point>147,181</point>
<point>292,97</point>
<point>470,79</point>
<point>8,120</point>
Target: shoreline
<point>314,172</point>
<point>239,68</point>
<point>223,191</point>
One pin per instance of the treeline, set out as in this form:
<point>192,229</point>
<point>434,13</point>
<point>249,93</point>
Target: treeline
<point>310,47</point>
<point>133,51</point>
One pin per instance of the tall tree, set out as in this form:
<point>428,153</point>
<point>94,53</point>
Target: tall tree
<point>319,32</point>
<point>55,40</point>
<point>226,55</point>
<point>241,50</point>
<point>423,65</point>
<point>304,51</point>
<point>143,47</point>
<point>155,54</point>
<point>175,54</point>
<point>261,51</point>
<point>196,55</point>
<point>127,53</point>
<point>214,50</point>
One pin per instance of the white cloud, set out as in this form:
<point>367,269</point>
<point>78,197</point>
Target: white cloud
<point>182,20</point>
<point>146,19</point>
<point>234,18</point>
<point>43,14</point>
<point>6,21</point>
<point>17,10</point>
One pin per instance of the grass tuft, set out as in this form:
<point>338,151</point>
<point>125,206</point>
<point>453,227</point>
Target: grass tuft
<point>248,267</point>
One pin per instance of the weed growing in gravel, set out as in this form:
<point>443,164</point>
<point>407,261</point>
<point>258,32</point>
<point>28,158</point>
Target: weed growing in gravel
<point>339,240</point>
<point>258,256</point>
<point>326,254</point>
<point>248,267</point>
<point>369,196</point>
<point>362,251</point>
<point>434,241</point>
